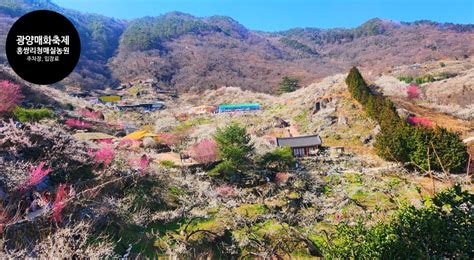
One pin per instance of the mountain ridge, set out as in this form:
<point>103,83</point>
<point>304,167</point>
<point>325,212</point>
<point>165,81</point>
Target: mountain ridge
<point>194,53</point>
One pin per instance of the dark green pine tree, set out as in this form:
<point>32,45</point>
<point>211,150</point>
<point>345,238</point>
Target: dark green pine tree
<point>288,84</point>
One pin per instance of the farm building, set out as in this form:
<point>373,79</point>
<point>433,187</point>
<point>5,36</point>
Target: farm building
<point>145,107</point>
<point>238,107</point>
<point>199,110</point>
<point>301,145</point>
<point>82,94</point>
<point>110,99</point>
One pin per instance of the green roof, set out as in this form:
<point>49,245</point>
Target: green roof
<point>239,105</point>
<point>112,98</point>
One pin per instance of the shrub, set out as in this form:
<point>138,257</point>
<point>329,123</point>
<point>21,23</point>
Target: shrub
<point>442,228</point>
<point>10,96</point>
<point>279,159</point>
<point>26,115</point>
<point>281,177</point>
<point>169,139</point>
<point>129,142</point>
<point>234,149</point>
<point>141,163</point>
<point>437,149</point>
<point>168,164</point>
<point>399,141</point>
<point>407,79</point>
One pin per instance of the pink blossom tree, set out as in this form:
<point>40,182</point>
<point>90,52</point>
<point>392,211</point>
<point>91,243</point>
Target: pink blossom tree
<point>10,95</point>
<point>204,151</point>
<point>141,163</point>
<point>103,156</point>
<point>412,91</point>
<point>420,121</point>
<point>78,124</point>
<point>90,113</point>
<point>168,139</point>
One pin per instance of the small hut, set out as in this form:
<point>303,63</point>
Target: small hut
<point>301,145</point>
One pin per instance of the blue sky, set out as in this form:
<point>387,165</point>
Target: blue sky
<point>274,15</point>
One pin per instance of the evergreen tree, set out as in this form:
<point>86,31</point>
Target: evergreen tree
<point>234,149</point>
<point>288,84</point>
<point>424,148</point>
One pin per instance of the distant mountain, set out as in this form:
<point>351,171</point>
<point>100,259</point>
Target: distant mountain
<point>191,53</point>
<point>99,38</point>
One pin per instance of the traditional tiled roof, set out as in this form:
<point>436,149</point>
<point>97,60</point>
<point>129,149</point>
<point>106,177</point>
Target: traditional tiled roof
<point>299,141</point>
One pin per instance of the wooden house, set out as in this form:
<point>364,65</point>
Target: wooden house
<point>301,145</point>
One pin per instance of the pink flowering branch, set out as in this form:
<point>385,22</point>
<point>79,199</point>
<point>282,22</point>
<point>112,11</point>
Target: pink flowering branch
<point>76,123</point>
<point>204,151</point>
<point>37,174</point>
<point>59,203</point>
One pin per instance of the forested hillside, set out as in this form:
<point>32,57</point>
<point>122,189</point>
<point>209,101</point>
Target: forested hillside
<point>187,52</point>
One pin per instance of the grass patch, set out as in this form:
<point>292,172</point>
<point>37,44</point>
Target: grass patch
<point>168,164</point>
<point>27,115</point>
<point>302,119</point>
<point>354,178</point>
<point>268,228</point>
<point>251,210</point>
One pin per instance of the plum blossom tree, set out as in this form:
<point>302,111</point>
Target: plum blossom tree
<point>90,113</point>
<point>420,121</point>
<point>168,138</point>
<point>10,95</point>
<point>141,163</point>
<point>204,151</point>
<point>413,92</point>
<point>78,124</point>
